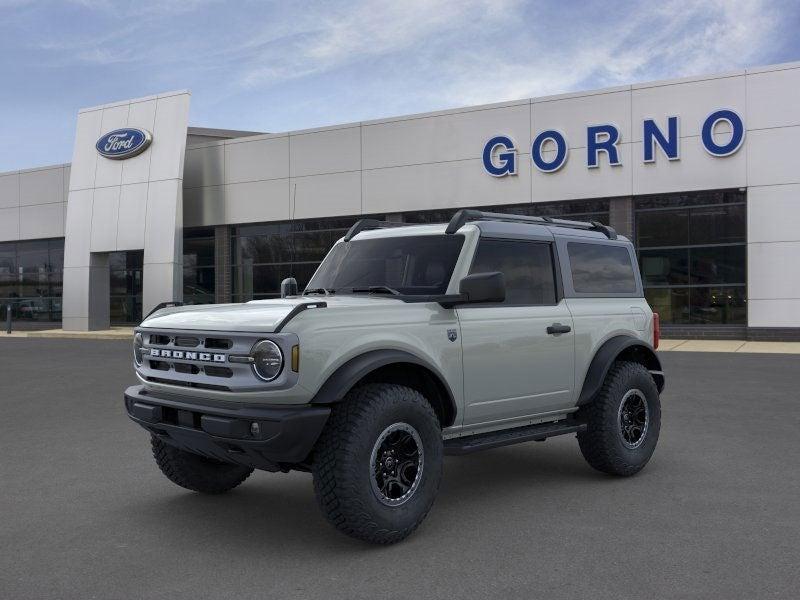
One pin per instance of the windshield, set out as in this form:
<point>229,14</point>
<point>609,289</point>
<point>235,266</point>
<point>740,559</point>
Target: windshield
<point>408,265</point>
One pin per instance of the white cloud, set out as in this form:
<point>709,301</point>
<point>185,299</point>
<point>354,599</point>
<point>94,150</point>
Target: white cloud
<point>476,51</point>
<point>324,39</point>
<point>667,41</point>
<point>465,51</point>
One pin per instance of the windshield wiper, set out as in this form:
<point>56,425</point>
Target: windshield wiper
<point>375,289</point>
<point>320,290</point>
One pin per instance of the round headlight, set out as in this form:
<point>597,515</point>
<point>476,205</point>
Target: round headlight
<point>268,360</point>
<point>138,342</point>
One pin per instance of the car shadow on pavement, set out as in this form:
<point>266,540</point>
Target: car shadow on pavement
<point>279,510</point>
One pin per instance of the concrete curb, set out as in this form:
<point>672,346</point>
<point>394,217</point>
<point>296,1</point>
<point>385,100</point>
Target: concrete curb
<point>729,346</point>
<point>115,333</point>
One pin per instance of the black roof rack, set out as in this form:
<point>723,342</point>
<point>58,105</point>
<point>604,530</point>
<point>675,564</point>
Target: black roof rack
<point>365,224</point>
<point>464,215</point>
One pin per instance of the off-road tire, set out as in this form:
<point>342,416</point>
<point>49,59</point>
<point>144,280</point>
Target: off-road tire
<point>195,472</point>
<point>602,444</point>
<point>342,462</point>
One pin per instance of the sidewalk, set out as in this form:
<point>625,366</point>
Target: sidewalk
<point>728,346</point>
<point>115,333</point>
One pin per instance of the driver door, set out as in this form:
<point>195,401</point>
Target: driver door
<point>514,369</point>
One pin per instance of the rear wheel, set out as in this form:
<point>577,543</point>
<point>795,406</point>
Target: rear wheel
<point>378,463</point>
<point>195,472</point>
<point>623,421</point>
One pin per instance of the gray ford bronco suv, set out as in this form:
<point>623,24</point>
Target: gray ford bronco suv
<point>409,343</point>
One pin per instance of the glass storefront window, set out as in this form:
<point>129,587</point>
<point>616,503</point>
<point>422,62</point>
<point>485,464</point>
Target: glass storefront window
<point>693,256</point>
<point>723,224</point>
<point>662,228</point>
<point>126,286</point>
<point>199,272</point>
<point>671,304</point>
<point>263,255</point>
<point>718,264</point>
<point>30,279</point>
<point>718,305</point>
<point>664,267</point>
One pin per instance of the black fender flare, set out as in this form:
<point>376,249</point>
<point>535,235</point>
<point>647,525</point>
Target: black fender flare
<point>610,351</point>
<point>354,370</point>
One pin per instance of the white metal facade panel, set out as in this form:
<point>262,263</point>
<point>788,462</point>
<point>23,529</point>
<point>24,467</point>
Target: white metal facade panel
<point>43,186</point>
<point>32,203</point>
<point>341,193</point>
<point>9,190</point>
<point>9,223</point>
<point>443,138</point>
<point>325,151</point>
<point>259,160</point>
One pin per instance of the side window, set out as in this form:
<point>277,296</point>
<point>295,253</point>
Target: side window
<point>601,269</point>
<point>527,267</point>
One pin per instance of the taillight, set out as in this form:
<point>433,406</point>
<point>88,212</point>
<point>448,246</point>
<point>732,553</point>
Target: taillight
<point>656,329</point>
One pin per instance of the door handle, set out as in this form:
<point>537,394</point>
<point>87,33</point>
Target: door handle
<point>556,328</point>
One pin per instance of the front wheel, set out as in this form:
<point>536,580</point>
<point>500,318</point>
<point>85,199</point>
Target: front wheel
<point>195,472</point>
<point>623,421</point>
<point>378,463</point>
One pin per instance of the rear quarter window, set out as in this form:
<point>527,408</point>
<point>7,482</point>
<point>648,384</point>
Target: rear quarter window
<point>601,269</point>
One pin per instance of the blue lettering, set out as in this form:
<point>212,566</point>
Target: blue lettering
<point>561,151</point>
<point>596,144</point>
<point>652,135</point>
<point>507,158</point>
<point>736,140</point>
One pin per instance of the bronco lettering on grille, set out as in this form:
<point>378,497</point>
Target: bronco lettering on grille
<point>181,354</point>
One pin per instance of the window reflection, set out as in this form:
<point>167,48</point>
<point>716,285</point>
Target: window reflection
<point>199,272</point>
<point>31,279</point>
<point>693,256</point>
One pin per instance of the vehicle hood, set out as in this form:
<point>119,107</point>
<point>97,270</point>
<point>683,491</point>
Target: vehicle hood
<point>261,316</point>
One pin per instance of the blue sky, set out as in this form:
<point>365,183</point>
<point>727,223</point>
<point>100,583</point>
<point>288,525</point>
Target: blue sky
<point>281,65</point>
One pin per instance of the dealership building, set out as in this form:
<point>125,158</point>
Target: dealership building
<point>702,173</point>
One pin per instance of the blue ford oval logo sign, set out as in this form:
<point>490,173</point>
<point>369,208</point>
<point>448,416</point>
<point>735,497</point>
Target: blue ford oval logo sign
<point>123,143</point>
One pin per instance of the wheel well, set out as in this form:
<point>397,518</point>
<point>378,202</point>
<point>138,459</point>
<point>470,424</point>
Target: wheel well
<point>641,355</point>
<point>645,357</point>
<point>420,379</point>
<point>620,348</point>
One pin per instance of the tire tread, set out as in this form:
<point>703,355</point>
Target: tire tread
<point>194,472</point>
<point>598,443</point>
<point>335,461</point>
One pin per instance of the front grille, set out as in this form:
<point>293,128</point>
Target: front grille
<point>187,368</point>
<point>196,359</point>
<point>218,344</point>
<point>218,371</point>
<point>190,368</point>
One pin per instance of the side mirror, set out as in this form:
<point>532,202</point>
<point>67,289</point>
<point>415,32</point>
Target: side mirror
<point>288,287</point>
<point>483,287</point>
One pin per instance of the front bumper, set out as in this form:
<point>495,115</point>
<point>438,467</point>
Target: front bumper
<point>285,434</point>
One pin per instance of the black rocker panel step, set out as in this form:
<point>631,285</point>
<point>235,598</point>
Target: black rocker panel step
<point>517,435</point>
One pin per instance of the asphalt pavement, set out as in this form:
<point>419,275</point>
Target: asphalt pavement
<point>85,513</point>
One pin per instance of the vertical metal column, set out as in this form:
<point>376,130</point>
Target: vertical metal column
<point>222,264</point>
